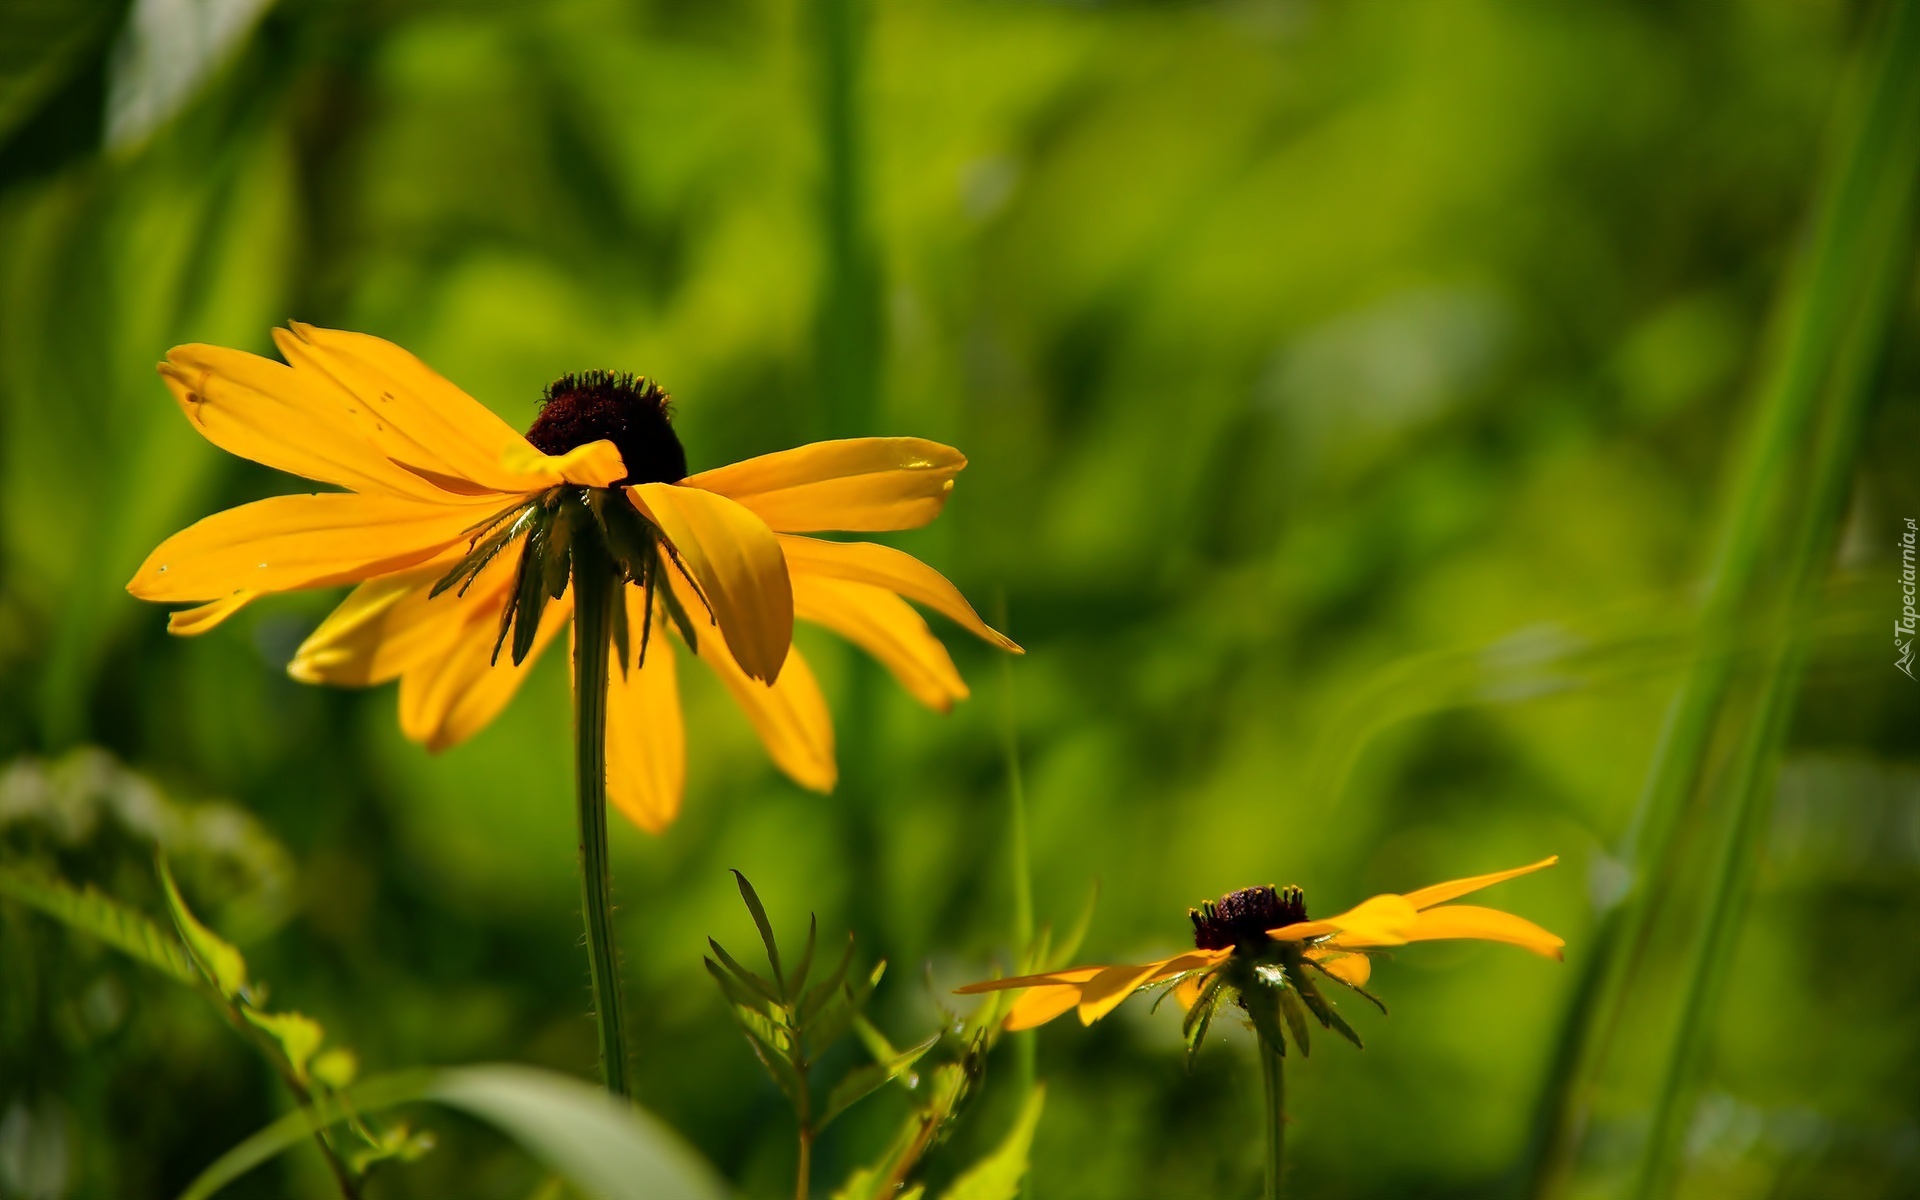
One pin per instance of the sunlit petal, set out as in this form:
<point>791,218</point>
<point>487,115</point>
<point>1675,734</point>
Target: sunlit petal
<point>1486,925</point>
<point>1074,975</point>
<point>421,420</point>
<point>737,562</point>
<point>1104,992</point>
<point>791,716</point>
<point>1440,893</point>
<point>387,626</point>
<point>856,484</point>
<point>894,570</point>
<point>450,697</point>
<point>1380,921</point>
<point>646,738</point>
<point>1041,1005</point>
<point>886,627</point>
<point>596,464</point>
<point>287,542</point>
<point>265,411</point>
<point>1351,969</point>
<point>191,622</point>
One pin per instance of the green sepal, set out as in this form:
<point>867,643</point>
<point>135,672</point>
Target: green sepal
<point>864,1081</point>
<point>298,1035</point>
<point>1261,1002</point>
<point>759,913</point>
<point>217,959</point>
<point>487,542</point>
<point>1366,995</point>
<point>402,1143</point>
<point>1296,1015</point>
<point>622,636</point>
<point>529,588</point>
<point>556,563</point>
<point>676,612</point>
<point>1310,993</point>
<point>628,536</point>
<point>1193,1027</point>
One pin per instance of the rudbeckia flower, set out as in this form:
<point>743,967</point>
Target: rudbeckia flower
<point>1258,949</point>
<point>464,538</point>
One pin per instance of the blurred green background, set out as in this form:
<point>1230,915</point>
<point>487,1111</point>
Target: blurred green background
<point>1350,390</point>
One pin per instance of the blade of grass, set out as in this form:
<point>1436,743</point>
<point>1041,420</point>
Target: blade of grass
<point>1830,333</point>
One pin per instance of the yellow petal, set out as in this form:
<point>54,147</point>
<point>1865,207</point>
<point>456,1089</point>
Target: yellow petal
<point>646,740</point>
<point>1380,921</point>
<point>894,570</point>
<point>1486,925</point>
<point>192,622</point>
<point>1041,1005</point>
<point>288,542</point>
<point>886,627</point>
<point>1073,975</point>
<point>450,697</point>
<point>1440,893</point>
<point>418,418</point>
<point>263,410</point>
<point>1351,969</point>
<point>737,562</point>
<point>790,716</point>
<point>857,484</point>
<point>596,464</point>
<point>1186,993</point>
<point>387,626</point>
<point>1104,992</point>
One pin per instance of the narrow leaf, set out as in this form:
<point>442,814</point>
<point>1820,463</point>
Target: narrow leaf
<point>745,976</point>
<point>217,958</point>
<point>761,923</point>
<point>125,929</point>
<point>863,1082</point>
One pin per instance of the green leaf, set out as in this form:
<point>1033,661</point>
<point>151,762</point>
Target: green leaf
<point>735,993</point>
<point>299,1036</point>
<point>998,1176</point>
<point>125,929</point>
<point>760,922</point>
<point>875,1041</point>
<point>216,958</point>
<point>817,995</point>
<point>336,1068</point>
<point>798,980</point>
<point>609,1150</point>
<point>864,1081</point>
<point>745,976</point>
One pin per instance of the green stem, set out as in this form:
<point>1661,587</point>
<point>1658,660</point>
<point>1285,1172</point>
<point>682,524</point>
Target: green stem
<point>595,591</point>
<point>1273,1075</point>
<point>805,1173</point>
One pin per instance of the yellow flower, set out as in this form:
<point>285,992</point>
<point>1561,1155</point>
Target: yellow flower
<point>1257,948</point>
<point>456,529</point>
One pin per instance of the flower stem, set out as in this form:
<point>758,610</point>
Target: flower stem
<point>804,1175</point>
<point>1273,1074</point>
<point>595,591</point>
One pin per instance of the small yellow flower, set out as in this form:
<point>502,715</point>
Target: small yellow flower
<point>1257,948</point>
<point>454,526</point>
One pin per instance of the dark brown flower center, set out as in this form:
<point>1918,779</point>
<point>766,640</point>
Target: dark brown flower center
<point>631,411</point>
<point>1242,918</point>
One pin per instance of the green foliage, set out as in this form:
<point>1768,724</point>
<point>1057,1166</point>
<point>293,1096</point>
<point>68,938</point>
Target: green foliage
<point>129,931</point>
<point>998,1176</point>
<point>608,1150</point>
<point>1347,389</point>
<point>222,965</point>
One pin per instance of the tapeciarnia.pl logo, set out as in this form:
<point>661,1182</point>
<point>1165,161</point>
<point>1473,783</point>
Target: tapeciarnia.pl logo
<point>1903,628</point>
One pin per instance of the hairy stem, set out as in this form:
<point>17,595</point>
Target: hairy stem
<point>595,592</point>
